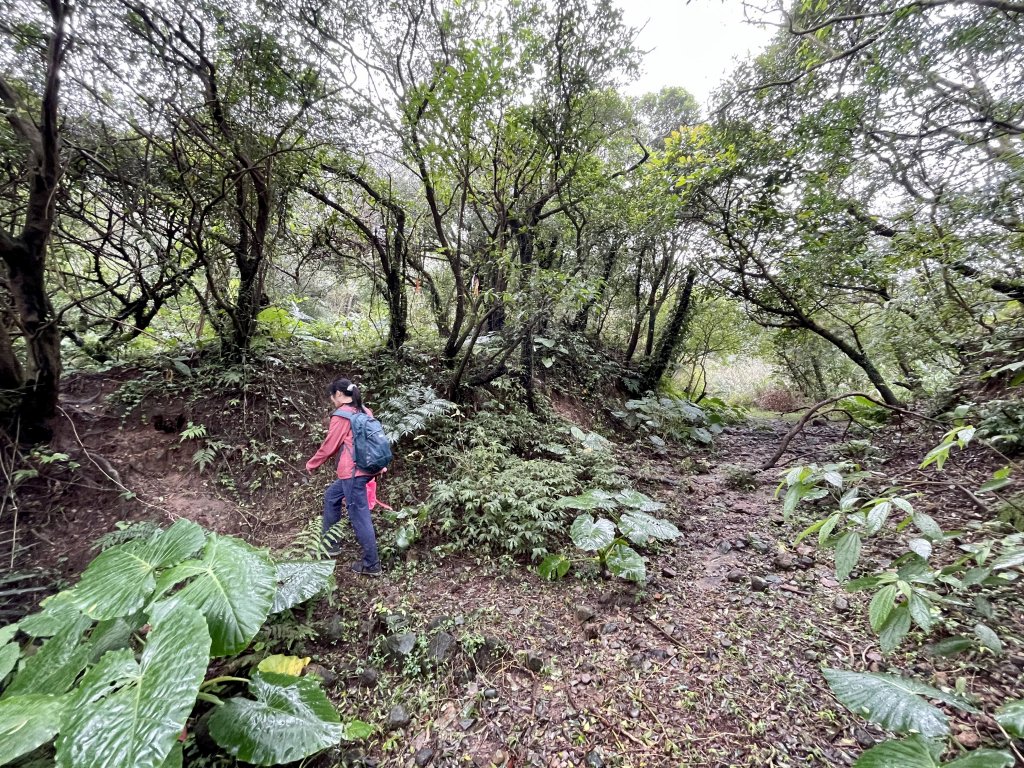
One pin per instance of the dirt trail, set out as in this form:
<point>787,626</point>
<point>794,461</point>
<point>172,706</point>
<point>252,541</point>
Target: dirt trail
<point>715,662</point>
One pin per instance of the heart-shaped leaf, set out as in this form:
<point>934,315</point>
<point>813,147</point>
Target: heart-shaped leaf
<point>624,562</point>
<point>640,528</point>
<point>233,585</point>
<point>299,580</point>
<point>591,535</point>
<point>131,713</point>
<point>553,567</point>
<point>290,719</point>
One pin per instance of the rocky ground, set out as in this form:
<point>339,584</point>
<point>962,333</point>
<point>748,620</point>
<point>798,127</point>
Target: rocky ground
<point>459,661</point>
<point>714,662</point>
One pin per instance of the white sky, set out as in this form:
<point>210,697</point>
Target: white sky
<point>692,44</point>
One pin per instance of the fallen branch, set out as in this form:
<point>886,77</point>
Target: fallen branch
<point>818,406</point>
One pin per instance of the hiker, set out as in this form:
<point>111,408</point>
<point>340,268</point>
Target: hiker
<point>351,482</point>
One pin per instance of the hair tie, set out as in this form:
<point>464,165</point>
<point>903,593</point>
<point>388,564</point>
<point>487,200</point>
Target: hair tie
<point>350,387</point>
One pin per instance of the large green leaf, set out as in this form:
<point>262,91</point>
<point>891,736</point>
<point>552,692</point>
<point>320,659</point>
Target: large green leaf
<point>1011,717</point>
<point>27,722</point>
<point>180,541</point>
<point>624,562</point>
<point>590,535</point>
<point>8,658</point>
<point>57,611</point>
<point>639,527</point>
<point>983,758</point>
<point>636,500</point>
<point>592,499</point>
<point>7,633</point>
<point>553,567</point>
<point>914,752</point>
<point>847,554</point>
<point>299,580</point>
<point>290,719</point>
<point>233,585</point>
<point>54,668</point>
<point>120,580</point>
<point>128,713</point>
<point>892,702</point>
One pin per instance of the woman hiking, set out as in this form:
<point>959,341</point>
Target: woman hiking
<point>350,485</point>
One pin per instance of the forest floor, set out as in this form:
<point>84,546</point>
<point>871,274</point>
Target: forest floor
<point>462,661</point>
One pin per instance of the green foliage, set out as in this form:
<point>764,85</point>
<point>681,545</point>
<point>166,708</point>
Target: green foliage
<point>501,493</point>
<point>671,418</point>
<point>413,411</point>
<point>1011,717</point>
<point>503,503</point>
<point>1001,423</point>
<point>597,536</point>
<point>897,704</point>
<point>124,652</point>
<point>959,437</point>
<point>920,588</point>
<point>917,752</point>
<point>288,719</point>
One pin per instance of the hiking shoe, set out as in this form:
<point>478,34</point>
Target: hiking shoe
<point>332,552</point>
<point>362,570</point>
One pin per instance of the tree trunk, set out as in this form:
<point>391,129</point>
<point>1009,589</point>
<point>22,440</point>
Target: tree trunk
<point>860,359</point>
<point>670,337</point>
<point>25,255</point>
<point>579,323</point>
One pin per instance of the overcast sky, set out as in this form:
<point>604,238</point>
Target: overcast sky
<point>693,44</point>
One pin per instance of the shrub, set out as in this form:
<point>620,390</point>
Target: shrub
<point>503,504</point>
<point>669,418</point>
<point>777,399</point>
<point>114,666</point>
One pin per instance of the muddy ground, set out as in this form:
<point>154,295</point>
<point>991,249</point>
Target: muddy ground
<point>715,661</point>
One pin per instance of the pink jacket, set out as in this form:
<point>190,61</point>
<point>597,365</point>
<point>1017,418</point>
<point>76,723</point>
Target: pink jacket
<point>339,433</point>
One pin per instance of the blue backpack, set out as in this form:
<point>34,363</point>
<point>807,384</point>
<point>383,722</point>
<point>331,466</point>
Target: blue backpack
<point>372,448</point>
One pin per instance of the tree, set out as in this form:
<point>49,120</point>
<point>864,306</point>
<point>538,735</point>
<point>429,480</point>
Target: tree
<point>25,236</point>
<point>234,135</point>
<point>777,242</point>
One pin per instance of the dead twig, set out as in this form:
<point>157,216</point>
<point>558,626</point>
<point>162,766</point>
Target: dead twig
<point>798,428</point>
<point>662,630</point>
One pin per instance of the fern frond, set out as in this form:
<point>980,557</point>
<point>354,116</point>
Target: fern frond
<point>412,410</point>
<point>310,544</point>
<point>143,529</point>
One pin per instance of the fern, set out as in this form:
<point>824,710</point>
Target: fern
<point>412,411</point>
<point>125,532</point>
<point>310,544</point>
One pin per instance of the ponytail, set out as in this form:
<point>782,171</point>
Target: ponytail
<point>347,387</point>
